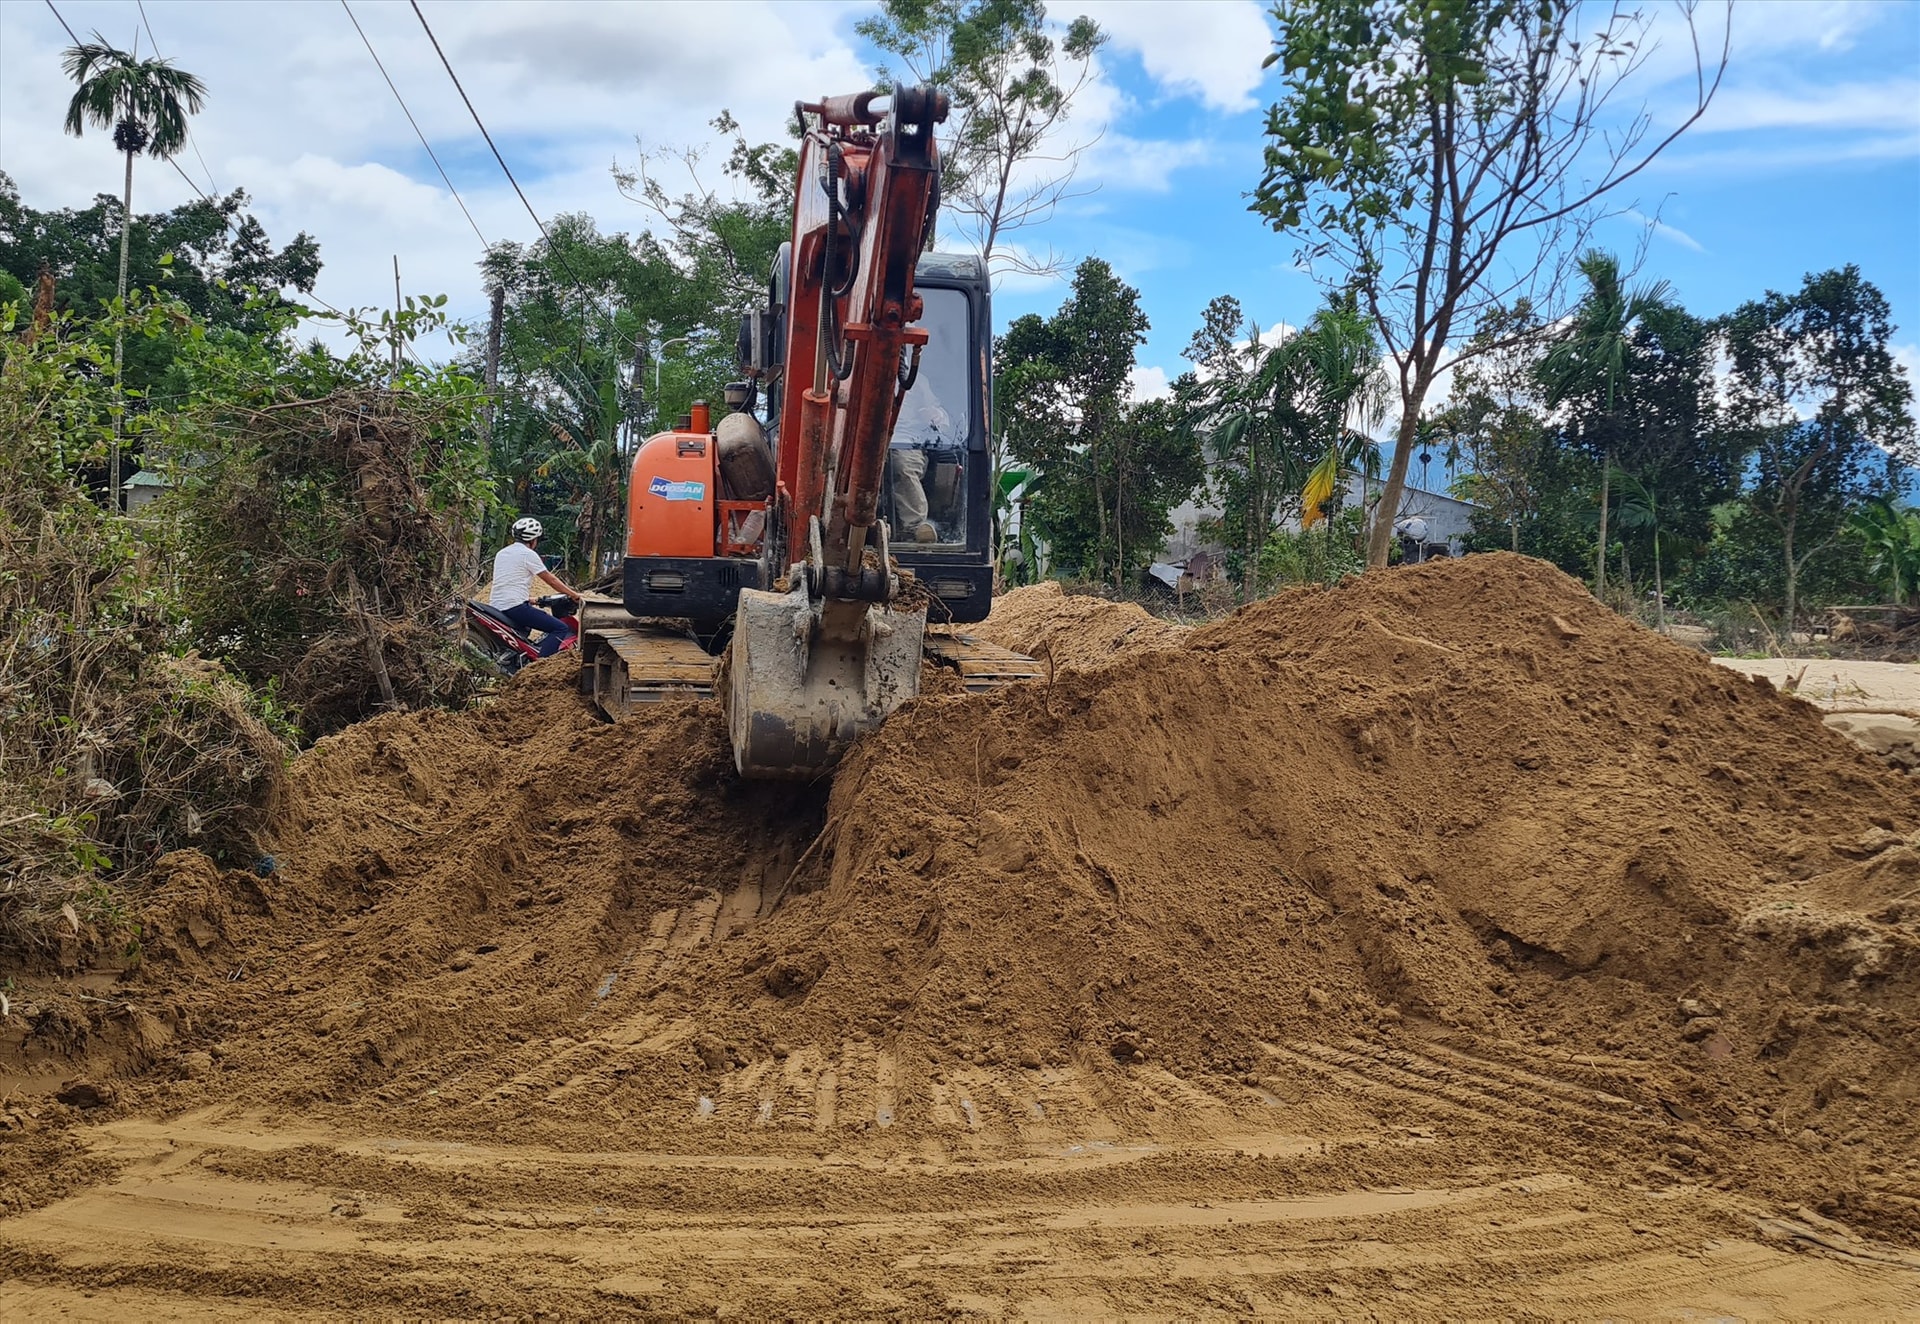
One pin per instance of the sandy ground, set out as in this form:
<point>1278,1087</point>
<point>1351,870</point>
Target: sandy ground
<point>512,1053</point>
<point>1838,685</point>
<point>212,1218</point>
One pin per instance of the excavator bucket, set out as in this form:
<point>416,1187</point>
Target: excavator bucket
<point>804,683</point>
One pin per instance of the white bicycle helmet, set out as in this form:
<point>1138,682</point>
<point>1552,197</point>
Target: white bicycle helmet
<point>526,530</point>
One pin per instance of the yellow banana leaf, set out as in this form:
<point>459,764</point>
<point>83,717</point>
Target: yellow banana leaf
<point>1319,488</point>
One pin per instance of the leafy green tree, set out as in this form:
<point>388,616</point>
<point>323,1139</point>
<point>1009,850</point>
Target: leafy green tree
<point>1011,83</point>
<point>1816,393</point>
<point>1442,158</point>
<point>146,104</point>
<point>722,237</point>
<point>211,256</point>
<point>591,322</point>
<point>1495,422</point>
<point>1588,363</point>
<point>1108,472</point>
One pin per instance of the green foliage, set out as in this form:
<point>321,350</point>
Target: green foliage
<point>211,257</point>
<point>114,748</point>
<point>1282,419</point>
<point>592,321</point>
<point>1632,374</point>
<point>1891,538</point>
<point>145,102</point>
<point>323,503</point>
<point>1826,411</point>
<point>1434,157</point>
<point>1108,472</point>
<point>1325,554</point>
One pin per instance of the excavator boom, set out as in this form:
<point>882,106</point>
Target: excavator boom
<point>815,666</point>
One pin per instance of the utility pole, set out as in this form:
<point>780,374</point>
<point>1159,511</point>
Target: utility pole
<point>495,317</point>
<point>396,322</point>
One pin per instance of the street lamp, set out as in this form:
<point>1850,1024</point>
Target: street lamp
<point>660,352</point>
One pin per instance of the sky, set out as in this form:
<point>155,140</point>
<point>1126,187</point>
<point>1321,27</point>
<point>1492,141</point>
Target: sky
<point>1809,157</point>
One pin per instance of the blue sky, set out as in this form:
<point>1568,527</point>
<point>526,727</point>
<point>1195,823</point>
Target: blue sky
<point>1809,158</point>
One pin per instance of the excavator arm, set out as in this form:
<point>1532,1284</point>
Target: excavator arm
<point>813,667</point>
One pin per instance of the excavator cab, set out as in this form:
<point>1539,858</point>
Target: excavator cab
<point>937,502</point>
<point>939,441</point>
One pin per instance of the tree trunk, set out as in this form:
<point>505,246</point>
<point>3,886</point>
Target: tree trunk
<point>1793,579</point>
<point>1606,498</point>
<point>120,344</point>
<point>1100,509</point>
<point>1659,586</point>
<point>489,414</point>
<point>1380,537</point>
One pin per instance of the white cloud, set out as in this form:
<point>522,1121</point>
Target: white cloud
<point>1890,104</point>
<point>1206,49</point>
<point>1665,231</point>
<point>299,116</point>
<point>1148,382</point>
<point>1121,162</point>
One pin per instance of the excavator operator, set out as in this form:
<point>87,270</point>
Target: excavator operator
<point>923,425</point>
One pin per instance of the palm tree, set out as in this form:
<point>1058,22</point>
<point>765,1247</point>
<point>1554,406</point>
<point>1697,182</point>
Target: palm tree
<point>1892,539</point>
<point>1288,417</point>
<point>1342,365</point>
<point>146,104</point>
<point>1640,511</point>
<point>1590,361</point>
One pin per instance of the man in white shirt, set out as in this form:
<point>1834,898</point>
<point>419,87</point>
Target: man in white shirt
<point>515,569</point>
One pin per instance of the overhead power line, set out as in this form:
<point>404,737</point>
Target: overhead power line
<point>148,24</point>
<point>448,66</point>
<point>416,125</point>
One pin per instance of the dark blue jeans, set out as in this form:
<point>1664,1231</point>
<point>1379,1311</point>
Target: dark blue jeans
<point>527,618</point>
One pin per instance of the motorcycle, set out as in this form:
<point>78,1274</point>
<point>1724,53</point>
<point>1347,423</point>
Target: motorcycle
<point>494,638</point>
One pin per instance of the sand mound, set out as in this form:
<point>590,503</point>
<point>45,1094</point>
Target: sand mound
<point>1461,807</point>
<point>1080,631</point>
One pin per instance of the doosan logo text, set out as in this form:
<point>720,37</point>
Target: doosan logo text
<point>672,491</point>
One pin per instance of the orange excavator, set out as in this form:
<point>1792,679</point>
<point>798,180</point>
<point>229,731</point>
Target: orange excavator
<point>776,539</point>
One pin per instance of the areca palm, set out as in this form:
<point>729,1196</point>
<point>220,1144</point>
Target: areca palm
<point>146,104</point>
<point>1590,361</point>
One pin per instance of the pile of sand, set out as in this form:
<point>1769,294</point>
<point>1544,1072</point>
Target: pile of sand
<point>1043,622</point>
<point>1461,802</point>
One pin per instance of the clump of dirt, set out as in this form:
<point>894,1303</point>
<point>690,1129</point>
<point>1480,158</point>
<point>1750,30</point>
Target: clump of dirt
<point>1459,804</point>
<point>1078,631</point>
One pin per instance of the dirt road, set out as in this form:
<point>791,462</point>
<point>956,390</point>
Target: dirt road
<point>1453,1208</point>
<point>1362,954</point>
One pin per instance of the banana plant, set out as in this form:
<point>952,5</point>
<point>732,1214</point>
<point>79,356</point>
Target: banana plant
<point>1892,539</point>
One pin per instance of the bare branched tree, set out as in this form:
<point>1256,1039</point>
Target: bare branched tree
<point>1447,159</point>
<point>1012,84</point>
